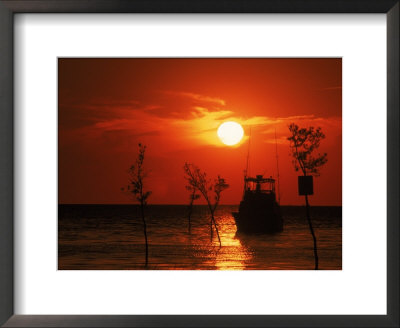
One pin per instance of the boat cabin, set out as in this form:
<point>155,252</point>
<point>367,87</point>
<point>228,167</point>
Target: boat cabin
<point>259,184</point>
<point>258,211</point>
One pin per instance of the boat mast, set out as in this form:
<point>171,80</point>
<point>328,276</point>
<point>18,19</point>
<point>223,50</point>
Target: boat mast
<point>247,164</point>
<point>277,168</point>
<point>248,153</point>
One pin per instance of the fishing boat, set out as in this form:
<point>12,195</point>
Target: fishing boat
<point>259,212</point>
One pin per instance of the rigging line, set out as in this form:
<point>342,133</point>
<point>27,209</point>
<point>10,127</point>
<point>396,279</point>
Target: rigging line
<point>248,154</point>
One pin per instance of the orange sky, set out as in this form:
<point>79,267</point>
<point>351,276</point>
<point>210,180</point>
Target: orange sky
<point>174,106</point>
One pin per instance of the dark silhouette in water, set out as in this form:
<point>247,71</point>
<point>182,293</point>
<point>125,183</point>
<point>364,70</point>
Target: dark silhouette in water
<point>303,142</point>
<point>136,187</point>
<point>193,196</point>
<point>258,211</point>
<point>198,181</point>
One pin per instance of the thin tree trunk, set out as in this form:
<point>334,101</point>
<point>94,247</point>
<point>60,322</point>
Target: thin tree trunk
<point>189,217</point>
<point>216,228</point>
<point>312,232</point>
<point>145,233</point>
<point>211,227</point>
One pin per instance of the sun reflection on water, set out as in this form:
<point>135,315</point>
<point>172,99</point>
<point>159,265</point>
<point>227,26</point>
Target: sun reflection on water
<point>233,255</point>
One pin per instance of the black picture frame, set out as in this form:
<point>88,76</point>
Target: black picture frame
<point>10,7</point>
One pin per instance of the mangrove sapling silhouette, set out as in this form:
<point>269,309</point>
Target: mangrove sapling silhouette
<point>192,197</point>
<point>303,142</point>
<point>136,187</point>
<point>198,180</point>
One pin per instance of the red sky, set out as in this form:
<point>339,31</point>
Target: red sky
<point>174,107</point>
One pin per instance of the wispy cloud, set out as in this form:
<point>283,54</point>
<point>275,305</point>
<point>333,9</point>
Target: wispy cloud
<point>196,128</point>
<point>197,97</point>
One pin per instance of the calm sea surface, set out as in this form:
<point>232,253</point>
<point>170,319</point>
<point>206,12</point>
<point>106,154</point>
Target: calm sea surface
<point>110,237</point>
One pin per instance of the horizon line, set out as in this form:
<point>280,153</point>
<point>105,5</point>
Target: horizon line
<point>137,204</point>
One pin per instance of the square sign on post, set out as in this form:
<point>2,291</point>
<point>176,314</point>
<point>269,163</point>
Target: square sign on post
<point>305,185</point>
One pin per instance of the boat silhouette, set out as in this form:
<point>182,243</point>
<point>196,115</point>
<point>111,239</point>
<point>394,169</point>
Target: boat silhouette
<point>259,211</point>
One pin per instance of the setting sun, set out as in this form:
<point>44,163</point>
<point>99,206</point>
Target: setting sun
<point>230,133</point>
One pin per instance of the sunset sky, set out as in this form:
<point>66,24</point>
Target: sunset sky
<point>174,107</point>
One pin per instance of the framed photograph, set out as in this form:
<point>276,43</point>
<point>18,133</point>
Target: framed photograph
<point>199,164</point>
<point>197,154</point>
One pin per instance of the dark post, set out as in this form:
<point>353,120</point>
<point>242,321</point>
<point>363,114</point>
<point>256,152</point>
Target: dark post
<point>303,142</point>
<point>145,233</point>
<point>312,232</point>
<point>305,183</point>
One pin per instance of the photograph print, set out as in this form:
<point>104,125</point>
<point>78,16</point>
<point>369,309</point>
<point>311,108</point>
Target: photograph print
<point>199,163</point>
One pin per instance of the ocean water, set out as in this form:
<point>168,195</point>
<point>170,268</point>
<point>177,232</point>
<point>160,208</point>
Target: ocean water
<point>110,237</point>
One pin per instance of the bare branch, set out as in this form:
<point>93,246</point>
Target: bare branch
<point>198,181</point>
<point>303,142</point>
<point>136,188</point>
